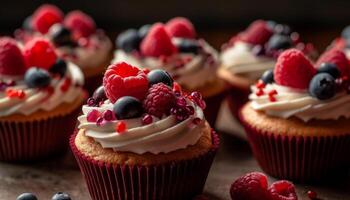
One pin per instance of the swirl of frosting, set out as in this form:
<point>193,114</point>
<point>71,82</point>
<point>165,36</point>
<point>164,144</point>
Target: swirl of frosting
<point>40,99</point>
<point>190,75</point>
<point>298,103</point>
<point>240,59</point>
<point>161,136</point>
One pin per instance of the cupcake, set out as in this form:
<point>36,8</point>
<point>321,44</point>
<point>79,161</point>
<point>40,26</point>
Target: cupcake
<point>141,137</point>
<point>251,52</point>
<point>298,120</point>
<point>174,46</point>
<point>40,98</point>
<point>75,37</point>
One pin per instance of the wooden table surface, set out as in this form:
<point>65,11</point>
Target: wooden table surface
<point>233,159</point>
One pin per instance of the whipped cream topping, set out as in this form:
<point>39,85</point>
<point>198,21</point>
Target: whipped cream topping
<point>161,136</point>
<point>191,75</point>
<point>298,103</point>
<point>240,60</point>
<point>41,99</point>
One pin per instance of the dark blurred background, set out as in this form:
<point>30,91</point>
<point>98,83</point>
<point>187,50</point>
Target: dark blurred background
<point>317,20</point>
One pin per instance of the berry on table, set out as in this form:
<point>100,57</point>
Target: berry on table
<point>267,76</point>
<point>282,190</point>
<point>336,57</point>
<point>329,68</point>
<point>80,24</point>
<point>129,40</point>
<point>257,33</point>
<point>180,27</point>
<point>159,76</point>
<point>46,16</point>
<point>127,107</point>
<point>322,86</point>
<point>27,196</point>
<point>40,53</point>
<point>60,67</point>
<point>37,78</point>
<point>188,46</point>
<point>61,196</point>
<point>11,59</point>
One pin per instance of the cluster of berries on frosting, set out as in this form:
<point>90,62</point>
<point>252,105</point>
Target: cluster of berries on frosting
<point>329,75</point>
<point>269,38</point>
<point>71,30</point>
<point>37,63</point>
<point>140,93</point>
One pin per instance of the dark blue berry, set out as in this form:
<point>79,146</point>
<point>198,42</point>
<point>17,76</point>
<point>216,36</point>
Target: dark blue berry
<point>37,78</point>
<point>271,24</point>
<point>322,86</point>
<point>60,67</point>
<point>128,40</point>
<point>27,24</point>
<point>159,76</point>
<point>268,76</point>
<point>27,196</point>
<point>127,107</point>
<point>329,68</point>
<point>282,29</point>
<point>60,35</point>
<point>143,31</point>
<point>278,41</point>
<point>60,196</point>
<point>346,32</point>
<point>99,94</point>
<point>188,46</point>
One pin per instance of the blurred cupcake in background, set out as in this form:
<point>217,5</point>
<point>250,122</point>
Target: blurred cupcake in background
<point>75,37</point>
<point>174,47</point>
<point>298,121</point>
<point>253,51</point>
<point>40,98</point>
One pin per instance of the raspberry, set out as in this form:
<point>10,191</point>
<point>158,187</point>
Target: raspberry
<point>46,16</point>
<point>122,79</point>
<point>159,100</point>
<point>336,57</point>
<point>252,186</point>
<point>157,42</point>
<point>283,190</point>
<point>39,53</point>
<point>257,33</point>
<point>11,58</point>
<point>80,24</point>
<point>180,27</point>
<point>293,69</point>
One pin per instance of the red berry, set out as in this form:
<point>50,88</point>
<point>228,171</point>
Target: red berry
<point>336,57</point>
<point>93,115</point>
<point>120,127</point>
<point>46,16</point>
<point>283,190</point>
<point>257,33</point>
<point>159,100</point>
<point>293,69</point>
<point>122,79</point>
<point>252,186</point>
<point>11,58</point>
<point>80,24</point>
<point>157,42</point>
<point>147,119</point>
<point>180,27</point>
<point>39,53</point>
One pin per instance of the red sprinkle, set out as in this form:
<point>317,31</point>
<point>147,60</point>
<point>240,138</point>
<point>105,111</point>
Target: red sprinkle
<point>145,70</point>
<point>177,87</point>
<point>260,92</point>
<point>66,84</point>
<point>11,93</point>
<point>272,93</point>
<point>260,84</point>
<point>312,194</point>
<point>120,127</point>
<point>272,98</point>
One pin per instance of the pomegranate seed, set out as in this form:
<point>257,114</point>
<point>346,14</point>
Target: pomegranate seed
<point>190,110</point>
<point>93,115</point>
<point>196,95</point>
<point>196,121</point>
<point>147,119</point>
<point>260,92</point>
<point>91,102</point>
<point>108,115</point>
<point>66,84</point>
<point>272,92</point>
<point>99,121</point>
<point>177,88</point>
<point>181,102</point>
<point>145,70</point>
<point>260,84</point>
<point>312,194</point>
<point>21,94</point>
<point>272,98</point>
<point>120,127</point>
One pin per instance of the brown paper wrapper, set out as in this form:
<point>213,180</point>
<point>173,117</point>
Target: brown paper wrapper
<point>175,180</point>
<point>299,158</point>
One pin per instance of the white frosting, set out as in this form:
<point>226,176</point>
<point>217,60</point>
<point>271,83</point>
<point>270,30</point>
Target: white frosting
<point>298,103</point>
<point>240,59</point>
<point>162,136</point>
<point>192,75</point>
<point>37,99</point>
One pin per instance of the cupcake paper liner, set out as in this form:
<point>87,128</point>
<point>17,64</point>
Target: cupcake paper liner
<point>213,106</point>
<point>33,140</point>
<point>236,98</point>
<point>92,83</point>
<point>175,180</point>
<point>299,158</point>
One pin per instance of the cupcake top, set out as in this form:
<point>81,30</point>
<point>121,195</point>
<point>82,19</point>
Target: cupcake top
<point>251,52</point>
<point>142,111</point>
<point>32,78</point>
<point>298,88</point>
<point>75,35</point>
<point>173,47</point>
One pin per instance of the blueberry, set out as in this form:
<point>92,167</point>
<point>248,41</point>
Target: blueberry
<point>268,76</point>
<point>27,196</point>
<point>271,24</point>
<point>60,67</point>
<point>127,107</point>
<point>188,46</point>
<point>61,196</point>
<point>60,35</point>
<point>278,41</point>
<point>99,94</point>
<point>37,78</point>
<point>329,68</point>
<point>322,86</point>
<point>283,29</point>
<point>346,32</point>
<point>144,30</point>
<point>27,24</point>
<point>159,76</point>
<point>128,40</point>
